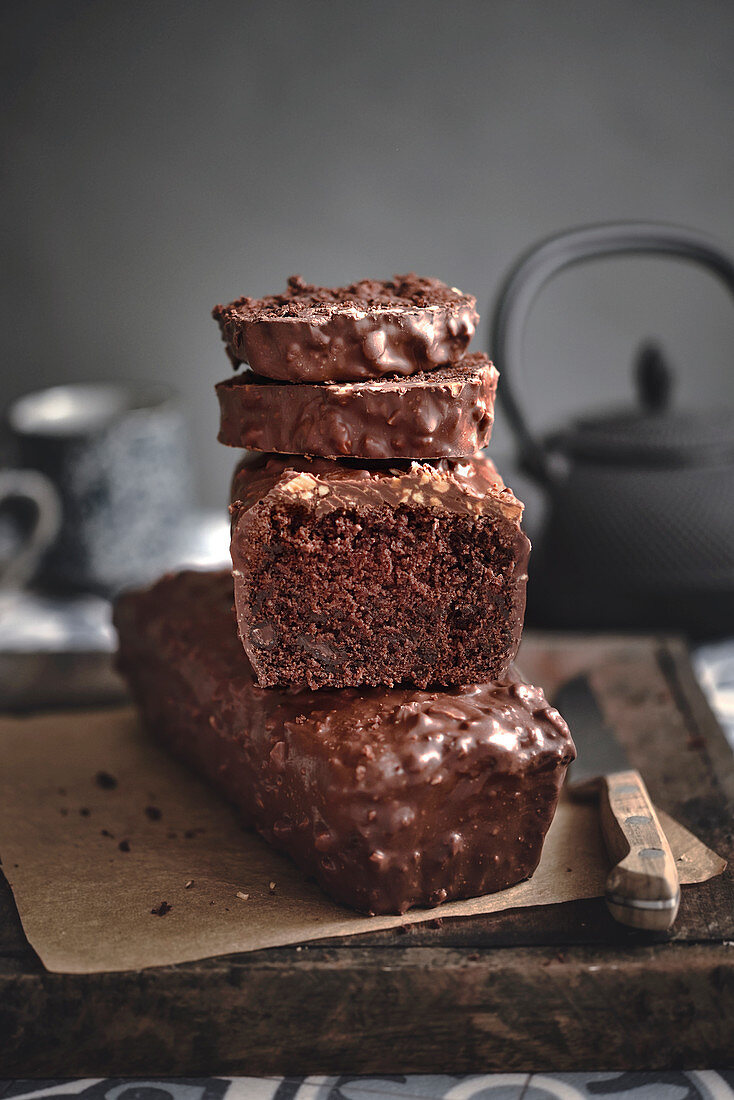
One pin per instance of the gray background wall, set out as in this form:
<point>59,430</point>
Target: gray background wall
<point>164,156</point>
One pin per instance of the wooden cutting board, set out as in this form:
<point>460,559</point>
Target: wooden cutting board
<point>558,988</point>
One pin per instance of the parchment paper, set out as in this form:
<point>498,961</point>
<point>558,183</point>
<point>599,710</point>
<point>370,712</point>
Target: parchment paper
<point>120,859</point>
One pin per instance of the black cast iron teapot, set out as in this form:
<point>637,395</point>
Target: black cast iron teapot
<point>640,524</point>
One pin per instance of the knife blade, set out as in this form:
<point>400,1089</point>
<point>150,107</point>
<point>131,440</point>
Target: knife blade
<point>642,889</point>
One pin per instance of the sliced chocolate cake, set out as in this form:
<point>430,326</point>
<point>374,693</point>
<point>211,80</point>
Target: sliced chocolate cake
<point>348,574</point>
<point>441,413</point>
<point>390,798</point>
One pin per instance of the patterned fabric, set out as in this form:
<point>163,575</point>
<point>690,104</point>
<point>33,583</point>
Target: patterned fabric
<point>694,1085</point>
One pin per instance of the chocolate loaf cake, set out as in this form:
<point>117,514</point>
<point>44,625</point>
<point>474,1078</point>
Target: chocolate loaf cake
<point>389,798</point>
<point>346,574</point>
<point>442,413</point>
<point>366,330</point>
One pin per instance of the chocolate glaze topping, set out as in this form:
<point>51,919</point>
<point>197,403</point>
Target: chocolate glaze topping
<point>433,414</point>
<point>390,798</point>
<point>470,486</point>
<point>366,330</point>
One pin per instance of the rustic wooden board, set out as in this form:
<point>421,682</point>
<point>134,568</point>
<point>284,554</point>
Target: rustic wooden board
<point>554,988</point>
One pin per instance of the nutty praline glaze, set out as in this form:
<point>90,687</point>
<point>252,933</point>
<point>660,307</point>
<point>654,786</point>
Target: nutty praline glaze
<point>366,330</point>
<point>446,412</point>
<point>389,798</point>
<point>468,485</point>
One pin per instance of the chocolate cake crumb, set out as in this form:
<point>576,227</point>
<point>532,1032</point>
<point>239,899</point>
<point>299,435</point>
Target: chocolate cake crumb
<point>106,832</point>
<point>348,574</point>
<point>106,781</point>
<point>162,909</point>
<point>84,812</point>
<point>408,291</point>
<point>153,813</point>
<point>124,845</point>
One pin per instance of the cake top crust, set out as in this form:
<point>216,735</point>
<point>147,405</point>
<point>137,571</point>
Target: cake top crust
<point>303,300</point>
<point>470,485</point>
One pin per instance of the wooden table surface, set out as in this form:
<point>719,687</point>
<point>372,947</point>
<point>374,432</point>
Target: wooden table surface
<point>551,988</point>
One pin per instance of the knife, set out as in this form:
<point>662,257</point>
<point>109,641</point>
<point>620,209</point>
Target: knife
<point>642,889</point>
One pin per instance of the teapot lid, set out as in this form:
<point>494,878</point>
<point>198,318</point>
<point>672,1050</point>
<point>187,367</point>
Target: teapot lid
<point>652,434</point>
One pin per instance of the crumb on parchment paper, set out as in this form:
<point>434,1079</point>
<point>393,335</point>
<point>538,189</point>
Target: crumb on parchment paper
<point>106,781</point>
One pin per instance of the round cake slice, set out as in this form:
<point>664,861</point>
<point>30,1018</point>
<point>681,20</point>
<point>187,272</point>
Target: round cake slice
<point>366,330</point>
<point>445,413</point>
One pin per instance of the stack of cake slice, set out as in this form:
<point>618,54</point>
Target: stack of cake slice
<point>366,720</point>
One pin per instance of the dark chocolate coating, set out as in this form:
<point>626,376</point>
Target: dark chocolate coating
<point>369,329</point>
<point>347,574</point>
<point>445,413</point>
<point>389,798</point>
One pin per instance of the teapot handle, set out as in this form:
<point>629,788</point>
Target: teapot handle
<point>536,266</point>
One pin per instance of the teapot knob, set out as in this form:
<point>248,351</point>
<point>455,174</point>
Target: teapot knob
<point>653,379</point>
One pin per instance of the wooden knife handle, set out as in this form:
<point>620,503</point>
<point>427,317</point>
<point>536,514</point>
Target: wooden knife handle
<point>642,889</point>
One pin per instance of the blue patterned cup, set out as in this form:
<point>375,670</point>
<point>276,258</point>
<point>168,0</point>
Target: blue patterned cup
<point>115,459</point>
